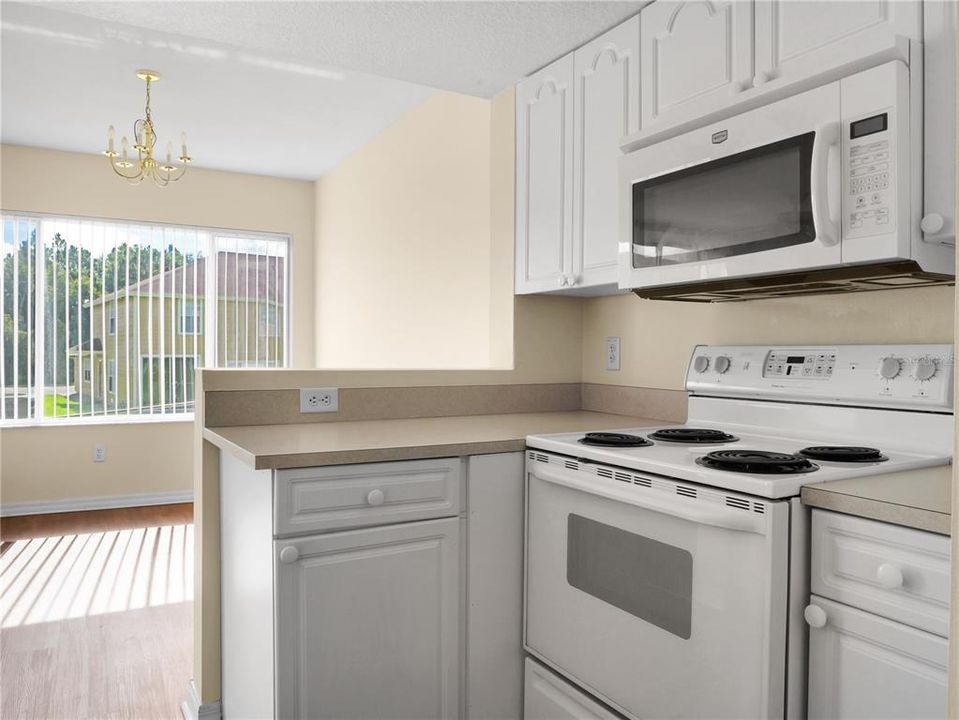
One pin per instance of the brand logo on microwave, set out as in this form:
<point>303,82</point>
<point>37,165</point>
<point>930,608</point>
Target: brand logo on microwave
<point>720,136</point>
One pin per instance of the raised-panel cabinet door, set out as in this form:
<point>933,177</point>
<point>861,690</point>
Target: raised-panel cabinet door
<point>864,666</point>
<point>802,38</point>
<point>606,99</point>
<point>544,171</point>
<point>368,623</point>
<point>697,56</point>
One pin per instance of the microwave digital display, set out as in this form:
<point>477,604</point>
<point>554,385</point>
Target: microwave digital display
<point>868,126</point>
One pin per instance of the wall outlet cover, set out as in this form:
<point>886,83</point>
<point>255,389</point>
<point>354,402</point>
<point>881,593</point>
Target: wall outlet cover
<point>612,353</point>
<point>319,400</point>
<point>99,453</point>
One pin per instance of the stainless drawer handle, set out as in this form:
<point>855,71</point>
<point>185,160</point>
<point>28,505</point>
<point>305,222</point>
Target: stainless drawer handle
<point>289,554</point>
<point>815,616</point>
<point>375,497</point>
<point>889,576</point>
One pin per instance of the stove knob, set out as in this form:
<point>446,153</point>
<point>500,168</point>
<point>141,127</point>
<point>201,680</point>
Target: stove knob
<point>925,369</point>
<point>890,367</point>
<point>701,364</point>
<point>722,364</point>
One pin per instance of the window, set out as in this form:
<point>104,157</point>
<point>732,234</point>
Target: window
<point>103,318</point>
<point>190,317</point>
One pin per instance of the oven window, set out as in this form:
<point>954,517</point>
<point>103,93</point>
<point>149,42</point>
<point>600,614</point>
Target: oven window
<point>746,203</point>
<point>644,577</point>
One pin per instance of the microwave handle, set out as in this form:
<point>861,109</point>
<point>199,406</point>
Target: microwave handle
<point>680,507</point>
<point>825,168</point>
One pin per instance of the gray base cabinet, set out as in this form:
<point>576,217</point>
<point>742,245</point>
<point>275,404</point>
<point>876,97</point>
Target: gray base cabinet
<point>378,591</point>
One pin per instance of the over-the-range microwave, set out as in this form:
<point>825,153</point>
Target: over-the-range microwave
<point>818,192</point>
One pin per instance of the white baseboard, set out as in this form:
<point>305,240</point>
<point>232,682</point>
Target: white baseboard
<point>94,503</point>
<point>193,709</point>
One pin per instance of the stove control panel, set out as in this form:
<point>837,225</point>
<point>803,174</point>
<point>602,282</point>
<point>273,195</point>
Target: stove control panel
<point>896,376</point>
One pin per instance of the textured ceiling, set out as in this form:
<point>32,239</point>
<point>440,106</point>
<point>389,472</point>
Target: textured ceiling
<point>65,78</point>
<point>477,48</point>
<point>274,88</point>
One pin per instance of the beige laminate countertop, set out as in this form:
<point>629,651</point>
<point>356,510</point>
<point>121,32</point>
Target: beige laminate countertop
<point>344,443</point>
<point>918,499</point>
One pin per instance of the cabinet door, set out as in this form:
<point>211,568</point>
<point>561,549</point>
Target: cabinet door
<point>368,623</point>
<point>696,57</point>
<point>864,666</point>
<point>549,697</point>
<point>606,99</point>
<point>544,174</point>
<point>796,39</point>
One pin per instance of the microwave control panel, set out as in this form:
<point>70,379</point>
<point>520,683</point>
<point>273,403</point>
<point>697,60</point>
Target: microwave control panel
<point>874,185</point>
<point>870,169</point>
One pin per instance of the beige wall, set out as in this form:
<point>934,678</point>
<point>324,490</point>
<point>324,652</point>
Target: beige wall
<point>403,244</point>
<point>657,337</point>
<point>42,464</point>
<point>141,458</point>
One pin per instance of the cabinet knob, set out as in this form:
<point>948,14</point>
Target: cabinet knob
<point>889,576</point>
<point>761,78</point>
<point>571,280</point>
<point>375,497</point>
<point>736,87</point>
<point>562,280</point>
<point>289,554</point>
<point>932,223</point>
<point>815,616</point>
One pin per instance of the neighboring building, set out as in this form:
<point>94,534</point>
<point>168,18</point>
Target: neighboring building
<point>149,338</point>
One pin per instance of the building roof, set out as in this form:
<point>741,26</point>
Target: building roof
<point>240,275</point>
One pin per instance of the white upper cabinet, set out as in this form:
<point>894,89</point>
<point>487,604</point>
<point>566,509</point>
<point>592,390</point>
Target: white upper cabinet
<point>606,101</point>
<point>544,174</point>
<point>796,39</point>
<point>696,55</point>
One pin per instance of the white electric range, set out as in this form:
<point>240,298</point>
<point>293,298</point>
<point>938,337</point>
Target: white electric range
<point>666,567</point>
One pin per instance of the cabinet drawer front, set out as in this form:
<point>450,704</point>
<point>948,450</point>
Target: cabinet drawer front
<point>345,496</point>
<point>864,666</point>
<point>896,572</point>
<point>548,697</point>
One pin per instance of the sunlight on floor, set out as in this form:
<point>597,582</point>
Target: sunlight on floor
<point>72,576</point>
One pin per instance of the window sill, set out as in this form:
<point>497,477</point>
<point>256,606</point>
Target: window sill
<point>86,421</point>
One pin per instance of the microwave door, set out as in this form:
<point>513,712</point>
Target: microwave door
<point>766,200</point>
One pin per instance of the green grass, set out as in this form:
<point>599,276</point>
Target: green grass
<point>54,405</point>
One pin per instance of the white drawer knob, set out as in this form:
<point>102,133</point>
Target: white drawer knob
<point>375,497</point>
<point>815,616</point>
<point>289,554</point>
<point>889,576</point>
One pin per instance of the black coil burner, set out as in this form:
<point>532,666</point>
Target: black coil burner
<point>613,439</point>
<point>757,461</point>
<point>843,453</point>
<point>693,435</point>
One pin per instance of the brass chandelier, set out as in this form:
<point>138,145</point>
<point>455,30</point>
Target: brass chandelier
<point>144,165</point>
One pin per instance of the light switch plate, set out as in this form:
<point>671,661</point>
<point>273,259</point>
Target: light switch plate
<point>612,353</point>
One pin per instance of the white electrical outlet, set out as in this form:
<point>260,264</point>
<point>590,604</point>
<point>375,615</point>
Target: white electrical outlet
<point>99,453</point>
<point>612,353</point>
<point>317,400</point>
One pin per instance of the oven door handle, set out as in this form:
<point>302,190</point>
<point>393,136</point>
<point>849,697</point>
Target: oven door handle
<point>823,171</point>
<point>690,509</point>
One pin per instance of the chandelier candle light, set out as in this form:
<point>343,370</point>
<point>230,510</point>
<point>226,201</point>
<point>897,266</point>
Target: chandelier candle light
<point>144,137</point>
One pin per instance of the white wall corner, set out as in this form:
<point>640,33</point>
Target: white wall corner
<point>193,709</point>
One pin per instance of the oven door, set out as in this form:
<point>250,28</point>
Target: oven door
<point>664,605</point>
<point>754,195</point>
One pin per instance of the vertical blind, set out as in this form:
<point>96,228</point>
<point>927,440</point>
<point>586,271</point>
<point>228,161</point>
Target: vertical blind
<point>109,319</point>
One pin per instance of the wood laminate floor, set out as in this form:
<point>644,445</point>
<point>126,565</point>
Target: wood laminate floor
<point>96,613</point>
